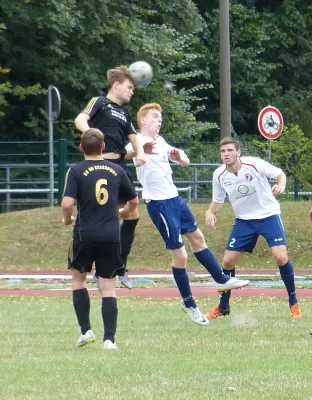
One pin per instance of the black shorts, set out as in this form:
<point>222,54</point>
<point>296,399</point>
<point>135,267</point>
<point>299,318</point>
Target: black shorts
<point>106,257</point>
<point>122,163</point>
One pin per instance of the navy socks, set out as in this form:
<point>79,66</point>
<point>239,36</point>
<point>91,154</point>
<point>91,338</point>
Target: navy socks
<point>288,277</point>
<point>209,261</point>
<point>225,296</point>
<point>183,283</point>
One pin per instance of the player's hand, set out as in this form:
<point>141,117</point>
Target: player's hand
<point>68,221</point>
<point>175,155</point>
<point>211,220</point>
<point>123,213</point>
<point>277,190</point>
<point>149,147</point>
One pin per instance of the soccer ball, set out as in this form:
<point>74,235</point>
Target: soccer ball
<point>141,73</point>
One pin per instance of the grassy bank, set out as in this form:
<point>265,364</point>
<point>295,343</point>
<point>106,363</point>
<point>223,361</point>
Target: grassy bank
<point>37,240</point>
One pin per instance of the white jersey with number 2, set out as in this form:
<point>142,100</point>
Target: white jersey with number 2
<point>248,190</point>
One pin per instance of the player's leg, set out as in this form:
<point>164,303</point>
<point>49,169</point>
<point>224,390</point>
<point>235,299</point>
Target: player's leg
<point>127,234</point>
<point>272,230</point>
<point>179,260</point>
<point>242,238</point>
<point>127,230</point>
<point>165,215</point>
<point>203,254</point>
<point>108,264</point>
<point>79,263</point>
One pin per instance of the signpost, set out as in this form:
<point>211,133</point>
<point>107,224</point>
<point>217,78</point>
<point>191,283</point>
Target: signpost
<point>54,109</point>
<point>270,124</point>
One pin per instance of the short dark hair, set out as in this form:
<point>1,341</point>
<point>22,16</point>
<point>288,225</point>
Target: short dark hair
<point>230,140</point>
<point>118,74</point>
<point>92,141</point>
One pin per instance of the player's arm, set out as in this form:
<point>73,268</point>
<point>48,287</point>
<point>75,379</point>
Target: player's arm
<point>279,188</point>
<point>218,197</point>
<point>211,219</point>
<point>179,156</point>
<point>67,209</point>
<point>94,106</point>
<point>128,208</point>
<point>137,145</point>
<point>130,152</point>
<point>128,192</point>
<point>81,122</point>
<point>69,196</point>
<point>272,172</point>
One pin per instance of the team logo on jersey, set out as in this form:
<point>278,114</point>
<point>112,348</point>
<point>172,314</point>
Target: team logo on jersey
<point>227,182</point>
<point>249,177</point>
<point>243,189</point>
<point>118,115</point>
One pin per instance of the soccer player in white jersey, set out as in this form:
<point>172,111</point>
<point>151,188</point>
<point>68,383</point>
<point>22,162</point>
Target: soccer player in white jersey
<point>171,215</point>
<point>257,212</point>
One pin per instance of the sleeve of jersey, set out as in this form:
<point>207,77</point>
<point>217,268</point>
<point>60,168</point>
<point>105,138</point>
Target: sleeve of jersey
<point>268,169</point>
<point>71,184</point>
<point>126,189</point>
<point>218,193</point>
<point>94,106</point>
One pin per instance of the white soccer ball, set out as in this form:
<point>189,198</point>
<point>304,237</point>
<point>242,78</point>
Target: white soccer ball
<point>141,73</point>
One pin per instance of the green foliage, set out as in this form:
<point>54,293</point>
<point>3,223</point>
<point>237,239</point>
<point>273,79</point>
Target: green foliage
<point>71,44</point>
<point>292,151</point>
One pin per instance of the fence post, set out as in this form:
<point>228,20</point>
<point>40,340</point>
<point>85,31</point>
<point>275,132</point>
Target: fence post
<point>189,189</point>
<point>195,182</point>
<point>296,189</point>
<point>8,186</point>
<point>62,166</point>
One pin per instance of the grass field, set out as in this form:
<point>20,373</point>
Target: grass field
<point>255,353</point>
<point>37,240</point>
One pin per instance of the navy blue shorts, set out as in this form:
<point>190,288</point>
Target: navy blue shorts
<point>245,233</point>
<point>173,219</point>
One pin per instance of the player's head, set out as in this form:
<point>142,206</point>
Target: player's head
<point>230,150</point>
<point>149,117</point>
<point>120,84</point>
<point>92,142</point>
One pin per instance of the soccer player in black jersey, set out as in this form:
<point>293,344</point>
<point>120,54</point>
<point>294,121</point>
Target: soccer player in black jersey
<point>108,114</point>
<point>96,185</point>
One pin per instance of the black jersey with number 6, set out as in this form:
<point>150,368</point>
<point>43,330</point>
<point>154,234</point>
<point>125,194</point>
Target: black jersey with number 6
<point>97,185</point>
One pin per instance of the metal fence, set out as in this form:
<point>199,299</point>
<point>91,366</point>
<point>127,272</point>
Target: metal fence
<point>24,174</point>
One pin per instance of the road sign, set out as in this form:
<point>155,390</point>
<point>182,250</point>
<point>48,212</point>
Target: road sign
<point>270,122</point>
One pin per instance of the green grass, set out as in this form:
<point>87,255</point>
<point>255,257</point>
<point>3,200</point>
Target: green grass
<point>255,353</point>
<point>37,240</point>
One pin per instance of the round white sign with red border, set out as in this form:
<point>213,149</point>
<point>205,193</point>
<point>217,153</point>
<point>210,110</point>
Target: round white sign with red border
<point>270,122</point>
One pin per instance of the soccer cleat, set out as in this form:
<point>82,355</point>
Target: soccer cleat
<point>295,311</point>
<point>124,280</point>
<point>217,312</point>
<point>87,338</point>
<point>109,345</point>
<point>232,283</point>
<point>195,315</point>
